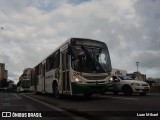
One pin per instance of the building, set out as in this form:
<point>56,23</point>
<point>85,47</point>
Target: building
<point>26,74</point>
<point>154,82</point>
<point>118,71</point>
<point>3,75</point>
<point>6,74</point>
<point>3,72</point>
<point>137,76</point>
<point>134,75</point>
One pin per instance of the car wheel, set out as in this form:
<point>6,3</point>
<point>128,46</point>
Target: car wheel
<point>127,90</point>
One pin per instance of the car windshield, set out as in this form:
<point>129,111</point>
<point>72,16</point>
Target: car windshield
<point>124,77</point>
<point>90,60</point>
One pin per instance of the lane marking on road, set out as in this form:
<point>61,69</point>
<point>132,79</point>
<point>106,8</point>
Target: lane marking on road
<point>57,109</point>
<point>121,98</point>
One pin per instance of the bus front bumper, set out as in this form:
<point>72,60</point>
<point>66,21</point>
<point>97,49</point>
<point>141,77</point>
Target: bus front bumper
<point>85,88</point>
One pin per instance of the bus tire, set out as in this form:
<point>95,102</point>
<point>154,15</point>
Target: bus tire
<point>87,95</point>
<point>37,93</point>
<point>103,93</point>
<point>115,92</point>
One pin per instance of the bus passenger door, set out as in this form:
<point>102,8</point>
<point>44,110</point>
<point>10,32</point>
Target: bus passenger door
<point>65,72</point>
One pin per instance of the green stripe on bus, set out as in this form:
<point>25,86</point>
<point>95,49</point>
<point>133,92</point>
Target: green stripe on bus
<point>85,88</point>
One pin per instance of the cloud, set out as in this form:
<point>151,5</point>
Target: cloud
<point>33,29</point>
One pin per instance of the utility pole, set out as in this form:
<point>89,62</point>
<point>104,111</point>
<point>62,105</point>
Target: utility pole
<point>137,63</point>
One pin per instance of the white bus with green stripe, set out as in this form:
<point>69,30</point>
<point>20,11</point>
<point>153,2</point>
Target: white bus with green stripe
<point>78,66</point>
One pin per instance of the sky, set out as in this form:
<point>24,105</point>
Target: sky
<point>32,29</point>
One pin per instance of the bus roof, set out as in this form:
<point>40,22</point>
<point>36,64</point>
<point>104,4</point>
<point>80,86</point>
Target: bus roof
<point>73,40</point>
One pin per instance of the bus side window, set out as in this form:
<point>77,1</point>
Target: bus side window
<point>56,59</point>
<point>47,65</point>
<point>39,70</point>
<point>36,70</point>
<point>50,63</point>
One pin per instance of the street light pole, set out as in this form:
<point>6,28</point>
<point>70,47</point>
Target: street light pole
<point>137,63</point>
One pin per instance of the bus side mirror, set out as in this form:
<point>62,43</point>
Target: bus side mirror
<point>116,80</point>
<point>69,50</point>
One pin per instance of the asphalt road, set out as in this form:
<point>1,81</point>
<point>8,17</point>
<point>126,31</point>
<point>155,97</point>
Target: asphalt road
<point>18,107</point>
<point>108,106</point>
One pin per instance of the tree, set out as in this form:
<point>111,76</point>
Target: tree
<point>12,86</point>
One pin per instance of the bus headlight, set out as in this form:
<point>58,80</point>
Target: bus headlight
<point>76,79</point>
<point>110,79</point>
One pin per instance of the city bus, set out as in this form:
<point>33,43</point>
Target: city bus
<point>23,85</point>
<point>78,66</point>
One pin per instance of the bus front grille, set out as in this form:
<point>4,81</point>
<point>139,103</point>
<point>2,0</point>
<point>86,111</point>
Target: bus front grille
<point>96,82</point>
<point>95,77</point>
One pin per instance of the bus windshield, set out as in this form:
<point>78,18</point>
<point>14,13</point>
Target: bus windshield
<point>90,59</point>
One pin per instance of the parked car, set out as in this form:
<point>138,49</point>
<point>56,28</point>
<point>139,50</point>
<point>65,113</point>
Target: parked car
<point>127,85</point>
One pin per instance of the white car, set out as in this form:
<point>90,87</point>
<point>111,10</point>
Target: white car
<point>125,84</point>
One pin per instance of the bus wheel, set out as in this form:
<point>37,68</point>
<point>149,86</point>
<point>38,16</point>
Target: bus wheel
<point>103,93</point>
<point>127,90</point>
<point>36,92</point>
<point>87,95</point>
<point>115,92</point>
